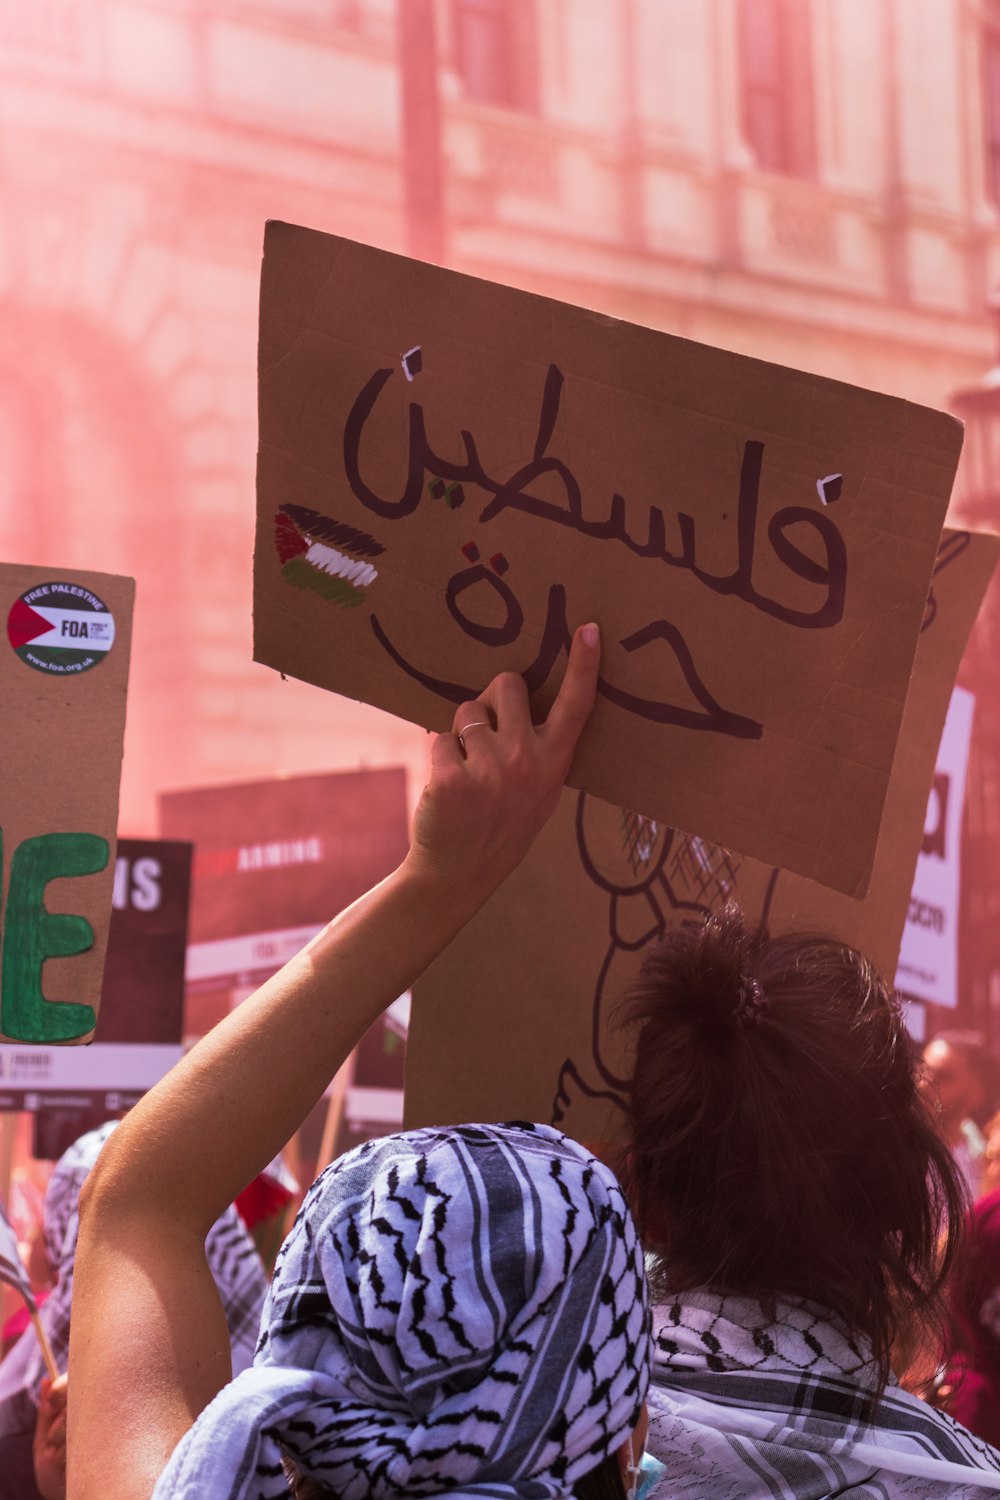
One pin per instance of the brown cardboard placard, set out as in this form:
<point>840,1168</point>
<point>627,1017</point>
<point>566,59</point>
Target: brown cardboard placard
<point>452,474</point>
<point>515,1019</point>
<point>64,660</point>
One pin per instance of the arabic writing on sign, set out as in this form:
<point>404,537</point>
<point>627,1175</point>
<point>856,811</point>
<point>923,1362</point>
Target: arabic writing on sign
<point>828,575</point>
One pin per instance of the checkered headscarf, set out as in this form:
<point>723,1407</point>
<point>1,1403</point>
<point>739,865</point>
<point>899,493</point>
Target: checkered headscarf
<point>457,1311</point>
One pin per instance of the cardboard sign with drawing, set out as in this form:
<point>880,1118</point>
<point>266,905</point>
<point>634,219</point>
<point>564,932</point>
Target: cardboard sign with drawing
<point>557,946</point>
<point>63,675</point>
<point>453,474</point>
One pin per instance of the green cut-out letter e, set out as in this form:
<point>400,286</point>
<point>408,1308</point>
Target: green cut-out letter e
<point>32,934</point>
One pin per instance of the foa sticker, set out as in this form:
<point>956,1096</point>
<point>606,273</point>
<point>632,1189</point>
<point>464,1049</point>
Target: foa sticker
<point>60,628</point>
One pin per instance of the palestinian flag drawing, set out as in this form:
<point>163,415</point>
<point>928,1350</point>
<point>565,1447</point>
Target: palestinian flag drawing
<point>61,628</point>
<point>326,556</point>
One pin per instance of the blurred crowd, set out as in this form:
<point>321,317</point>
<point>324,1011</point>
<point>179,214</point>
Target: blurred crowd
<point>961,1088</point>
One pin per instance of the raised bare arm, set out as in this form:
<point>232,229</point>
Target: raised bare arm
<point>149,1346</point>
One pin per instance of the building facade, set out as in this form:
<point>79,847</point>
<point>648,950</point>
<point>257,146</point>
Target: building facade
<point>809,181</point>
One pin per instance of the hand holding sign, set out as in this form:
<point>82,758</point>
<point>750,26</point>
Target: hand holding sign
<point>450,471</point>
<point>496,778</point>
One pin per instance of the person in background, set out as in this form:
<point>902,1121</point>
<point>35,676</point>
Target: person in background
<point>235,1266</point>
<point>971,1390</point>
<point>971,1386</point>
<point>956,1081</point>
<point>802,1215</point>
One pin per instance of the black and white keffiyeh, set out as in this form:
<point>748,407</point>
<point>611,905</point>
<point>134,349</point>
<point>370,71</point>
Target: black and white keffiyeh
<point>456,1311</point>
<point>229,1250</point>
<point>747,1407</point>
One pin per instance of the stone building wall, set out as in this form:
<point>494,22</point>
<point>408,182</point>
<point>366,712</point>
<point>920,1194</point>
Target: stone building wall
<point>596,150</point>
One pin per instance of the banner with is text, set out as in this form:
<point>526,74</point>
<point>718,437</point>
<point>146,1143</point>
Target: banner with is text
<point>453,475</point>
<point>928,958</point>
<point>138,1037</point>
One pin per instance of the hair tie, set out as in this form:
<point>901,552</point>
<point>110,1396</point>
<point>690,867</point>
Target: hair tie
<point>751,1002</point>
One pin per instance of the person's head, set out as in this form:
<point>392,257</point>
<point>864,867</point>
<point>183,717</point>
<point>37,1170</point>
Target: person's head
<point>956,1078</point>
<point>780,1147</point>
<point>453,1308</point>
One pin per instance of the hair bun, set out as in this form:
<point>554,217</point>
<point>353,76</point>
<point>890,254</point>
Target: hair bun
<point>751,1002</point>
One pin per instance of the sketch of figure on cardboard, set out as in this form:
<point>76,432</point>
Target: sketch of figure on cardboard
<point>655,878</point>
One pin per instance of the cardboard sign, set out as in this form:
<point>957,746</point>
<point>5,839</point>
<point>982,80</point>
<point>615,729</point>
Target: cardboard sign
<point>928,959</point>
<point>452,475</point>
<point>138,1037</point>
<point>64,661</point>
<point>274,862</point>
<point>555,949</point>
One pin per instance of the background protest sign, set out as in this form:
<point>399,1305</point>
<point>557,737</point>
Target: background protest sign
<point>63,675</point>
<point>274,861</point>
<point>928,958</point>
<point>555,949</point>
<point>138,1037</point>
<point>452,474</point>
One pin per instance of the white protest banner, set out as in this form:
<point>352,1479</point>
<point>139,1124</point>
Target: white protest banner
<point>928,958</point>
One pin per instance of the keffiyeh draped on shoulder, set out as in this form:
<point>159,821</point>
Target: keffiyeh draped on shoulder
<point>746,1407</point>
<point>456,1312</point>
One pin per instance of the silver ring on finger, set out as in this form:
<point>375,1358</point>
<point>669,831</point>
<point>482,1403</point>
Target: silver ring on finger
<point>478,724</point>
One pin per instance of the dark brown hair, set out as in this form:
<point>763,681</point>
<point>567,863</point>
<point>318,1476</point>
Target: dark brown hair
<point>779,1144</point>
<point>603,1483</point>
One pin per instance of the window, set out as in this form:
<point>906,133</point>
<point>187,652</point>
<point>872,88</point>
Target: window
<point>776,78</point>
<point>494,47</point>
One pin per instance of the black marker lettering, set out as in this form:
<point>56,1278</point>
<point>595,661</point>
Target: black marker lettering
<point>714,716</point>
<point>832,574</point>
<point>512,494</point>
<point>488,635</point>
<point>353,429</point>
